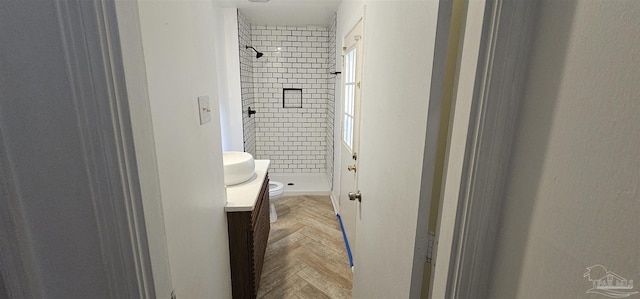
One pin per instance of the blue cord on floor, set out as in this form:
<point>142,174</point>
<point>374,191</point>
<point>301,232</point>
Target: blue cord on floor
<point>346,241</point>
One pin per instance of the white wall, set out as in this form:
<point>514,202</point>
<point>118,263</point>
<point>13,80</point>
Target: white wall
<point>573,189</point>
<point>399,39</point>
<point>229,79</point>
<point>178,39</point>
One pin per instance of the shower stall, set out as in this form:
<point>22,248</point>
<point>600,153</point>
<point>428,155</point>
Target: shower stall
<point>288,82</point>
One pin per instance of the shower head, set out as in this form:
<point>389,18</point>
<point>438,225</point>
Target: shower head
<point>258,54</point>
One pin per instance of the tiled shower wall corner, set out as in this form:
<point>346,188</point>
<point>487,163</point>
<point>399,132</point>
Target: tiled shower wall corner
<point>247,56</point>
<point>295,139</point>
<point>331,99</point>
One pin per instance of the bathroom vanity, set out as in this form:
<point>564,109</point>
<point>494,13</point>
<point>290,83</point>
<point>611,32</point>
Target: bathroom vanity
<point>248,225</point>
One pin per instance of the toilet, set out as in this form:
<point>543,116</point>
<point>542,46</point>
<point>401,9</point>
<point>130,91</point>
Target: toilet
<point>275,191</point>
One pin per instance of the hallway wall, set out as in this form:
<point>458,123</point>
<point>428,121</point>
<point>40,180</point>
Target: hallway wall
<point>572,198</point>
<point>180,40</point>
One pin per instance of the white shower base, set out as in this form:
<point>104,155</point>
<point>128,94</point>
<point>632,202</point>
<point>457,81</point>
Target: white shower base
<point>303,183</point>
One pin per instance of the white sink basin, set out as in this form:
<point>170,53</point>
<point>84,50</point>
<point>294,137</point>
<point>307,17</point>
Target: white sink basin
<point>238,167</point>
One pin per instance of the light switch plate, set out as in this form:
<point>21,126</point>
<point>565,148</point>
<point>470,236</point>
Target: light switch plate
<point>205,109</point>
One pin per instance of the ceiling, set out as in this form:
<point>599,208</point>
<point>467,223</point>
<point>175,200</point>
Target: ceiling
<point>286,12</point>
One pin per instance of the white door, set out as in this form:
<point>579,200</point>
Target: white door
<point>352,64</point>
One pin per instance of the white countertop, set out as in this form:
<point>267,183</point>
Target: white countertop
<point>242,197</point>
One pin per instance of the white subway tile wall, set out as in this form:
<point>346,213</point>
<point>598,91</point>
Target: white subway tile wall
<point>247,56</point>
<point>294,57</point>
<point>331,96</point>
<point>296,140</point>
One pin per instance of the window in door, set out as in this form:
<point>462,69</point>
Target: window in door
<point>349,97</point>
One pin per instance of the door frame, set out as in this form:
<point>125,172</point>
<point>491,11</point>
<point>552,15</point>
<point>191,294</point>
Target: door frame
<point>134,72</point>
<point>482,129</point>
<point>434,111</point>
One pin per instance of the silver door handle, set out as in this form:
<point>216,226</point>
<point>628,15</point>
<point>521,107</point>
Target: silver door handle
<point>354,196</point>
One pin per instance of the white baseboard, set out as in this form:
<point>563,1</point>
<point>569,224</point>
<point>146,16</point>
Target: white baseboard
<point>334,202</point>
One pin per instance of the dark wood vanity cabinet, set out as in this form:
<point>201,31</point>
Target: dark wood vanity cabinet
<point>248,234</point>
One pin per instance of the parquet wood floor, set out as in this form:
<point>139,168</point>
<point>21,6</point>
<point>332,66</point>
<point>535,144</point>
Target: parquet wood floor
<point>306,255</point>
